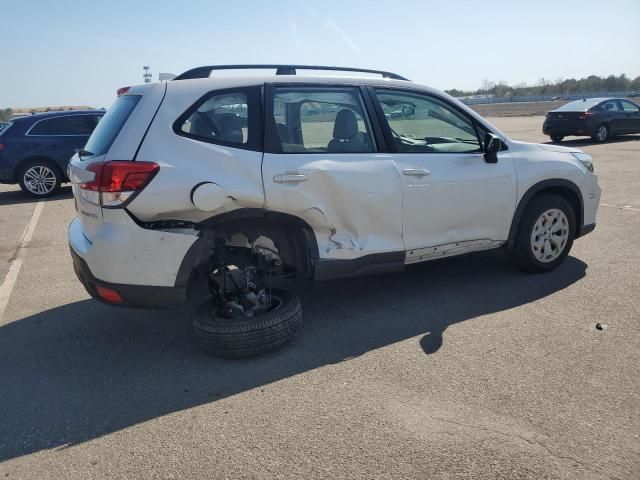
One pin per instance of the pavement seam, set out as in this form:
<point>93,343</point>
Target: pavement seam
<point>6,288</point>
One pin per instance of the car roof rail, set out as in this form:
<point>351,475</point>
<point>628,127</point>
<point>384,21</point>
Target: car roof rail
<point>205,71</point>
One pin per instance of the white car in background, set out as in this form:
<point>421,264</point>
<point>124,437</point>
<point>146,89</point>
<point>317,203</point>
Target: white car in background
<point>238,181</point>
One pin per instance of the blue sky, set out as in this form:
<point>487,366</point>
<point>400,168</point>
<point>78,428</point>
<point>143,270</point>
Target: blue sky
<point>72,52</point>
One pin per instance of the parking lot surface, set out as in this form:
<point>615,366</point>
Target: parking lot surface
<point>460,368</point>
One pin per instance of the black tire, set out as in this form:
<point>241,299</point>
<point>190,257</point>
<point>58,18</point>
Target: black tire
<point>241,338</point>
<point>51,168</point>
<point>601,134</point>
<point>522,253</point>
<point>556,138</point>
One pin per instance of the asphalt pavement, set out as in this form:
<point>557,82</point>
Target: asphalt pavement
<point>460,368</point>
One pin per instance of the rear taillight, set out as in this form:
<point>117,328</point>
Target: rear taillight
<point>585,115</point>
<point>1,147</point>
<point>118,180</point>
<point>122,90</point>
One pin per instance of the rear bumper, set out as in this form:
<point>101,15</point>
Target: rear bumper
<point>144,267</point>
<point>135,296</point>
<point>567,128</point>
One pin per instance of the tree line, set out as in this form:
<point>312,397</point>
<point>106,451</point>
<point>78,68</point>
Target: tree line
<point>590,84</point>
<point>5,114</point>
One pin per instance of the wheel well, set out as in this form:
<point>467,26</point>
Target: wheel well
<point>39,158</point>
<point>292,237</point>
<point>562,188</point>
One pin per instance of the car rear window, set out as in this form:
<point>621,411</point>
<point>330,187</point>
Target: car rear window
<point>111,124</point>
<point>579,105</point>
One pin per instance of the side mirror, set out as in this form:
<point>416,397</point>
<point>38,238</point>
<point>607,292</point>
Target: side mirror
<point>408,111</point>
<point>492,145</point>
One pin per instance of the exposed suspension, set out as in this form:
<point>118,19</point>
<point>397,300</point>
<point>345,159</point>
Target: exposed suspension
<point>240,279</point>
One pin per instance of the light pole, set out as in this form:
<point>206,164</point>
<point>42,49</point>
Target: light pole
<point>147,74</point>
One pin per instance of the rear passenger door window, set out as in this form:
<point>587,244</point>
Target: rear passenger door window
<point>610,106</point>
<point>321,120</point>
<point>229,117</point>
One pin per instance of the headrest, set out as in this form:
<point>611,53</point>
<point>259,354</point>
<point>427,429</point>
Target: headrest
<point>346,125</point>
<point>229,122</point>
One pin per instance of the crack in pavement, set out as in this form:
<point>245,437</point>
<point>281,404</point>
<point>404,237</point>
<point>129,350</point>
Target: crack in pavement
<point>520,437</point>
<point>6,287</point>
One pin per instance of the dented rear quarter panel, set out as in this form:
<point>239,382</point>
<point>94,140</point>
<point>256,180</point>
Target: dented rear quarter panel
<point>185,163</point>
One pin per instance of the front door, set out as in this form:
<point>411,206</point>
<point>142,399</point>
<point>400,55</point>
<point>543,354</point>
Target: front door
<point>615,117</point>
<point>631,114</point>
<point>321,164</point>
<point>450,193</point>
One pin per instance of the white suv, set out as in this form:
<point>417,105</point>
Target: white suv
<point>238,181</point>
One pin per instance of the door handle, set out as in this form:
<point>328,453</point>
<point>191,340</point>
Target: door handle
<point>290,178</point>
<point>416,172</point>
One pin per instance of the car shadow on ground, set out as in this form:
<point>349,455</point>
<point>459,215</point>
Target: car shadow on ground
<point>586,141</point>
<point>14,197</point>
<point>84,370</point>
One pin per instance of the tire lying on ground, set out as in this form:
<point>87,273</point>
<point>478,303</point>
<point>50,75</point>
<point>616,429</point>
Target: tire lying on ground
<point>248,337</point>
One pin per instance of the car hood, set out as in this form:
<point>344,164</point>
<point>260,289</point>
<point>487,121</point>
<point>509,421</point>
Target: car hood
<point>558,148</point>
<point>543,146</point>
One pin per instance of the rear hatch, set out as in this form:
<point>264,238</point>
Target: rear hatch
<point>116,139</point>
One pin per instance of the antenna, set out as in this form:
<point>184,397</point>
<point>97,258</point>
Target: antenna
<point>147,74</point>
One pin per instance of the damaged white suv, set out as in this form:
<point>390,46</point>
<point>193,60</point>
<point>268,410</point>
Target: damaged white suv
<point>238,181</point>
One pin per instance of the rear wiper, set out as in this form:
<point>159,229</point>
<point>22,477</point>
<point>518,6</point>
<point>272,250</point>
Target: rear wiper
<point>83,153</point>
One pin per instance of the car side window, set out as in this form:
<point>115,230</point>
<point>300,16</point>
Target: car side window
<point>316,120</point>
<point>629,106</point>
<point>422,123</point>
<point>65,125</point>
<point>610,106</point>
<point>220,118</point>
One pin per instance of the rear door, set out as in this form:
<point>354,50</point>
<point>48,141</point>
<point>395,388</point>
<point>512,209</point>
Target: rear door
<point>615,116</point>
<point>322,163</point>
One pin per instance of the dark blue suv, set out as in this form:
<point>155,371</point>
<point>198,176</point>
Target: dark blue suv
<point>35,150</point>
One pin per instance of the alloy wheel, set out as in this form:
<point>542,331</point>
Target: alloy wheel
<point>40,180</point>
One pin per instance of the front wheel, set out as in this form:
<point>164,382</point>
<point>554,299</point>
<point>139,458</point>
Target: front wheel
<point>247,337</point>
<point>556,138</point>
<point>602,133</point>
<point>545,234</point>
<point>39,178</point>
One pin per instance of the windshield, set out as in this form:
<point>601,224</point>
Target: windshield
<point>110,125</point>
